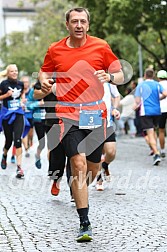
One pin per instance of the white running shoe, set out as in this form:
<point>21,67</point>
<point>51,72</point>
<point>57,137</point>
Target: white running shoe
<point>99,187</point>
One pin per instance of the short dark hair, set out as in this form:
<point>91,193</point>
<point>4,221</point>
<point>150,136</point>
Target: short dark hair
<point>78,9</point>
<point>149,73</point>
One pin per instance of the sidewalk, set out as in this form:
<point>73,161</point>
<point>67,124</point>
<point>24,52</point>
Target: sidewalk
<point>129,215</point>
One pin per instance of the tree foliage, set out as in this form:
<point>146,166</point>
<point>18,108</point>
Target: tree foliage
<point>123,23</point>
<point>17,48</point>
<point>139,21</point>
<point>146,22</point>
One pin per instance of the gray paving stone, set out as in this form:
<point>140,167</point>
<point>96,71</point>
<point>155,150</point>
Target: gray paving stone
<point>129,215</point>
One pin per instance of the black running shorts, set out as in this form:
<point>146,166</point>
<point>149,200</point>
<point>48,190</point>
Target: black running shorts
<point>162,120</point>
<point>149,122</point>
<point>85,141</point>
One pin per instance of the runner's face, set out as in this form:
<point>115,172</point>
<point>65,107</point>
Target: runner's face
<point>26,82</point>
<point>78,24</point>
<point>13,73</point>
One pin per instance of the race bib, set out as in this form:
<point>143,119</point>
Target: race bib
<point>13,104</point>
<point>90,119</point>
<point>40,115</point>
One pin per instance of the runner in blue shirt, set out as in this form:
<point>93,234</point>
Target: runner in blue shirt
<point>148,94</point>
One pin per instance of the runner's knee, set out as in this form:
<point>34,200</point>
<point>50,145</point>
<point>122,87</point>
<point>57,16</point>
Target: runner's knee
<point>17,143</point>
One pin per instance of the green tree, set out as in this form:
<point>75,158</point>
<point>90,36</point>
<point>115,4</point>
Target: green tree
<point>123,22</point>
<point>145,21</point>
<point>17,48</point>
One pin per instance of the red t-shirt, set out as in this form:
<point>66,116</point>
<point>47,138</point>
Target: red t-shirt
<point>75,79</point>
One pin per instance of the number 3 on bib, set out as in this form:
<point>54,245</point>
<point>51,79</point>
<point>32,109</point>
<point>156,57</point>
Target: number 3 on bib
<point>90,119</point>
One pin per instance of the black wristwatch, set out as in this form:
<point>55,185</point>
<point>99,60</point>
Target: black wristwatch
<point>111,78</point>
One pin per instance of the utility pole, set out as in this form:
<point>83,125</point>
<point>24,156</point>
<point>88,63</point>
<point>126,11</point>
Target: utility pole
<point>140,61</point>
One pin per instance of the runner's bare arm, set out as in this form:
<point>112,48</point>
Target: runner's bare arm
<point>39,94</point>
<point>137,103</point>
<point>4,96</point>
<point>163,95</point>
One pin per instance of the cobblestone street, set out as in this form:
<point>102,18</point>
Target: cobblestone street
<point>129,215</point>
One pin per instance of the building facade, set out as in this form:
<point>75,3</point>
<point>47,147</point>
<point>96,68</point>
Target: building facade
<point>15,15</point>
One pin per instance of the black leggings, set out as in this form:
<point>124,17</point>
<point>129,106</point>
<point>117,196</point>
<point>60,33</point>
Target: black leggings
<point>13,131</point>
<point>57,156</point>
<point>40,131</point>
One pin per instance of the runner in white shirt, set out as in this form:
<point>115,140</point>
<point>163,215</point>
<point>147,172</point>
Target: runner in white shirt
<point>112,99</point>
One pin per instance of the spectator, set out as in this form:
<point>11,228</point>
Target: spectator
<point>128,113</point>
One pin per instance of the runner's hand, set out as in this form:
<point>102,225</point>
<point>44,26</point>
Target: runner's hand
<point>9,93</point>
<point>116,114</point>
<point>46,85</point>
<point>102,76</point>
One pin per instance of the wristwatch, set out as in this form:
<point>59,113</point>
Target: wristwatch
<point>111,78</point>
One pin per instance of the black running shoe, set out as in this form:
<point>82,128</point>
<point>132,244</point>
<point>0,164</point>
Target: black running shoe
<point>85,232</point>
<point>151,153</point>
<point>13,160</point>
<point>156,159</point>
<point>27,154</point>
<point>163,155</point>
<point>37,162</point>
<point>19,172</point>
<point>3,163</point>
